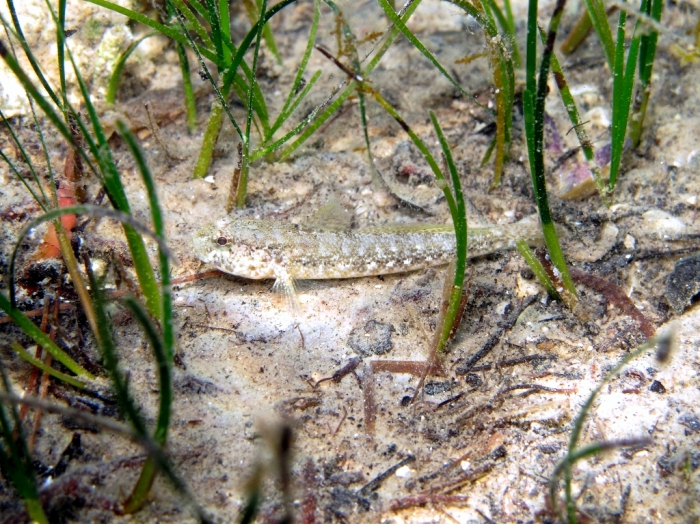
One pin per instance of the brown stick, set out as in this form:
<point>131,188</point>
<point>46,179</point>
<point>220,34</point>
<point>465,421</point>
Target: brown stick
<point>34,376</point>
<point>615,296</point>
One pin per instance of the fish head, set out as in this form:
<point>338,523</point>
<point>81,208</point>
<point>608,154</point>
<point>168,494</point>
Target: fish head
<point>239,247</point>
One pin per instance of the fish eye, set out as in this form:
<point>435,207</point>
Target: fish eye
<point>222,241</point>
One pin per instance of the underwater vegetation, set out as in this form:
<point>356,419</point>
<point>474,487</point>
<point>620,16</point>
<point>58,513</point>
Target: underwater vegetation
<point>70,159</point>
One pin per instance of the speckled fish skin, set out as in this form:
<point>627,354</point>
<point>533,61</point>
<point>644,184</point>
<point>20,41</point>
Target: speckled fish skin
<point>260,249</point>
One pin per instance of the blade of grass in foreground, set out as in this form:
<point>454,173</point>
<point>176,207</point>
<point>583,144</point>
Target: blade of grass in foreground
<point>457,210</point>
<point>28,52</point>
<point>399,24</point>
<point>501,64</point>
<point>578,126</point>
<point>253,9</point>
<point>159,231</point>
<point>15,459</point>
<point>41,200</point>
<point>331,108</point>
<point>69,257</point>
<point>162,29</point>
<point>148,472</point>
<point>61,47</point>
<point>647,53</point>
<point>124,399</point>
<point>290,104</point>
<point>599,19</point>
<point>537,268</point>
<point>163,347</point>
<point>263,152</point>
<point>440,178</point>
<point>64,244</point>
<point>101,152</point>
<point>111,96</point>
<point>623,84</point>
<point>47,369</point>
<point>534,98</point>
<point>354,72</point>
<point>117,196</point>
<point>187,88</point>
<point>242,189</point>
<point>108,350</point>
<point>460,224</point>
<point>574,453</point>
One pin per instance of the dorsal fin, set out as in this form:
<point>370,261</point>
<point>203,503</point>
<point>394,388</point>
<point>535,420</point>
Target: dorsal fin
<point>331,217</point>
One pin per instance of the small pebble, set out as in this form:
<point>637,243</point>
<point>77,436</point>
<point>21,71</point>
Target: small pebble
<point>657,387</point>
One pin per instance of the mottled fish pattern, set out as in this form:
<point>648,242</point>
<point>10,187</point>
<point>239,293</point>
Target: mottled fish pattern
<point>259,249</point>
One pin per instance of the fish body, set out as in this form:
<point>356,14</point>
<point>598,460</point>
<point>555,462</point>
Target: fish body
<point>260,249</point>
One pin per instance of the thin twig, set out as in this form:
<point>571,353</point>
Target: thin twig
<point>345,415</point>
<point>45,376</point>
<point>534,387</point>
<point>373,484</point>
<point>34,377</point>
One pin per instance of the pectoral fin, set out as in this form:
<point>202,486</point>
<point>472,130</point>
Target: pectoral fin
<point>286,286</point>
